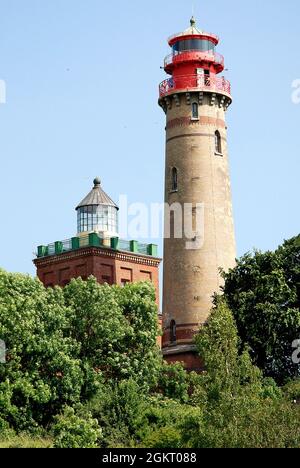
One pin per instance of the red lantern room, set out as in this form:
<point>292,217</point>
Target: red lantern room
<point>194,64</point>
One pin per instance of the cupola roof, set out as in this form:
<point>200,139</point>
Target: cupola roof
<point>193,30</point>
<point>97,197</point>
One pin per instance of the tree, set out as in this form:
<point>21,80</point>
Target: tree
<point>41,373</point>
<point>239,407</point>
<point>263,292</point>
<point>116,328</point>
<point>84,362</point>
<point>63,346</point>
<point>228,372</point>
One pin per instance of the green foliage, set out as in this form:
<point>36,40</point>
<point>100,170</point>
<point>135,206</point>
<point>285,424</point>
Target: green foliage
<point>226,370</point>
<point>25,441</point>
<point>164,418</point>
<point>263,291</point>
<point>292,391</point>
<point>130,417</point>
<point>244,422</point>
<point>174,382</point>
<point>5,430</point>
<point>240,408</point>
<point>119,408</point>
<point>164,438</point>
<point>41,373</point>
<point>74,431</point>
<point>62,345</point>
<point>83,364</point>
<point>116,327</point>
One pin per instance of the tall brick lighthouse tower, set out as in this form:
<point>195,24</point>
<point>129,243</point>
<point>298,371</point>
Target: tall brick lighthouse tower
<point>195,100</point>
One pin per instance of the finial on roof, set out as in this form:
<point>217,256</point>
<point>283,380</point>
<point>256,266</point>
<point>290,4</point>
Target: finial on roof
<point>193,21</point>
<point>97,182</point>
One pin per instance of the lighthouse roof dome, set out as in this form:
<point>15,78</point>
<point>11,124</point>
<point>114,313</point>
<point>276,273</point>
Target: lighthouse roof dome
<point>96,197</point>
<point>193,30</point>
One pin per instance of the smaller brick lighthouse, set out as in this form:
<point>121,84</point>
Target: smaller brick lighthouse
<point>96,250</point>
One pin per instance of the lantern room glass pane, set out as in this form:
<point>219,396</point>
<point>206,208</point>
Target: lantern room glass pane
<point>97,218</point>
<point>204,45</point>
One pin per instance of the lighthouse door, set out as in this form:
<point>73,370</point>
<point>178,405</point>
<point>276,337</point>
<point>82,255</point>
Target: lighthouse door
<point>207,78</point>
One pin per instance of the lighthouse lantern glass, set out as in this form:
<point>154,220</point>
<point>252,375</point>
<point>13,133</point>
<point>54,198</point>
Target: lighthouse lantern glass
<point>98,218</point>
<point>202,45</point>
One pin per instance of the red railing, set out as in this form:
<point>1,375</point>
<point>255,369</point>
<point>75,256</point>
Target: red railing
<point>186,55</point>
<point>195,82</point>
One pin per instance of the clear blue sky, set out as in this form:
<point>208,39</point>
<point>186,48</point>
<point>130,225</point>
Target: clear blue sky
<point>82,80</point>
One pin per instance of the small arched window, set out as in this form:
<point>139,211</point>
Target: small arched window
<point>218,142</point>
<point>195,110</point>
<point>174,179</point>
<point>173,331</point>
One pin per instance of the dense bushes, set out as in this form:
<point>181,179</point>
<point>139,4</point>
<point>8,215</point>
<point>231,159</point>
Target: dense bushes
<point>64,345</point>
<point>117,329</point>
<point>42,372</point>
<point>240,407</point>
<point>72,431</point>
<point>83,368</point>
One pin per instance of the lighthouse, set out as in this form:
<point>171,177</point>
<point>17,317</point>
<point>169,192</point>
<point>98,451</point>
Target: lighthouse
<point>195,99</point>
<point>96,249</point>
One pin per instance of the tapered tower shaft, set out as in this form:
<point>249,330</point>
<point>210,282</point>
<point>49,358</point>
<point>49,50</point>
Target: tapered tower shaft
<point>199,235</point>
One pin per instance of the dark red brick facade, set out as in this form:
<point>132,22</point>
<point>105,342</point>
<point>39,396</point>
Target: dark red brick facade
<point>184,334</point>
<point>190,360</point>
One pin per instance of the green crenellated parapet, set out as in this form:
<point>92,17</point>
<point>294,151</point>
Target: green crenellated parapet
<point>134,246</point>
<point>153,250</point>
<point>115,243</point>
<point>94,240</point>
<point>42,251</point>
<point>58,247</point>
<point>75,243</point>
